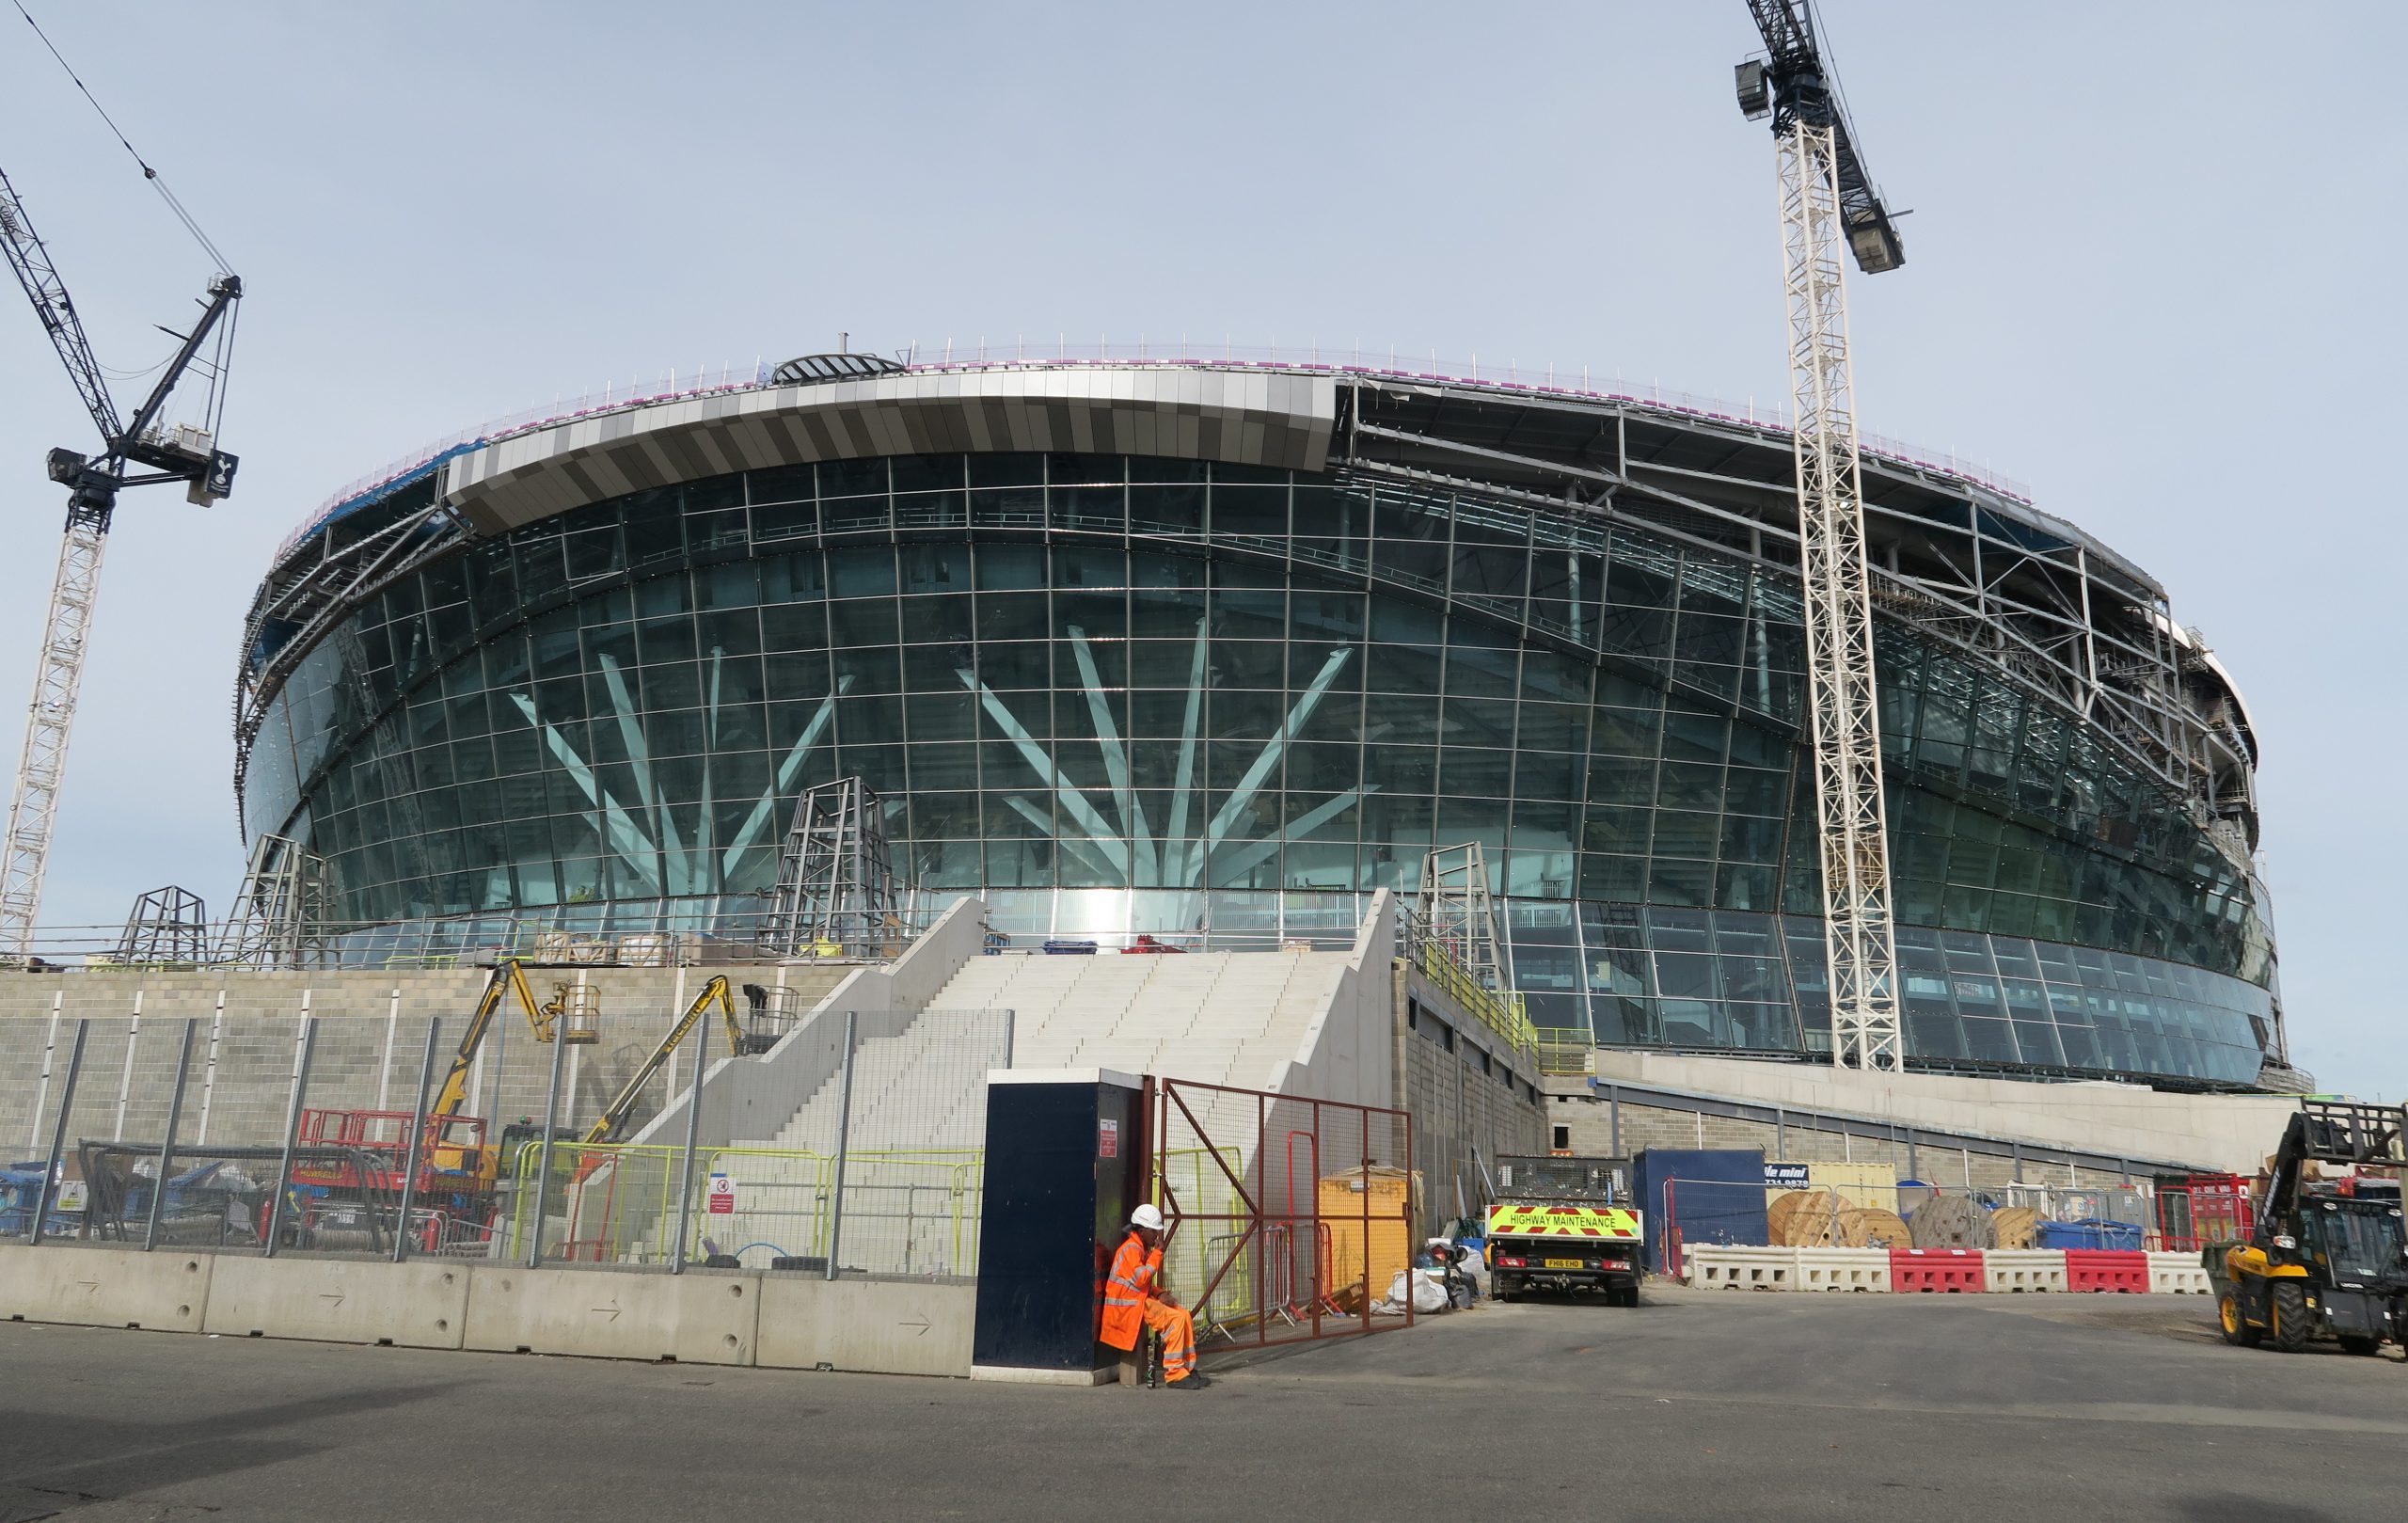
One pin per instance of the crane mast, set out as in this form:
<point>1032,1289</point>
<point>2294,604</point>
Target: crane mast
<point>1828,202</point>
<point>184,454</point>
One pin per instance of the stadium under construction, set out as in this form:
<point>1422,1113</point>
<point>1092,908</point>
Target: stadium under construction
<point>1207,652</point>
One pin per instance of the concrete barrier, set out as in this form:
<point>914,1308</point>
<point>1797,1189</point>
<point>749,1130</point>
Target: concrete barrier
<point>2024,1269</point>
<point>2179,1273</point>
<point>418,1305</point>
<point>703,1317</point>
<point>166,1292</point>
<point>1728,1268</point>
<point>1844,1269</point>
<point>904,1327</point>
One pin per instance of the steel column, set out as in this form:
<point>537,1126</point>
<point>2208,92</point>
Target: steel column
<point>412,1156</point>
<point>292,1135</point>
<point>168,1143</point>
<point>47,1192</point>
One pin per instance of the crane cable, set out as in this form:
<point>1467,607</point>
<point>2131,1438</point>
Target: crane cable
<point>148,173</point>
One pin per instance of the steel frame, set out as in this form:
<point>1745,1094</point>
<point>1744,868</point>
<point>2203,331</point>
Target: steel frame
<point>2053,614</point>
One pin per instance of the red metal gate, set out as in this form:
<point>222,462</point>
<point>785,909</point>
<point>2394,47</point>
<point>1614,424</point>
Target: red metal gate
<point>1288,1218</point>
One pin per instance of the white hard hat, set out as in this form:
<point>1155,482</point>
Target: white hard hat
<point>1147,1218</point>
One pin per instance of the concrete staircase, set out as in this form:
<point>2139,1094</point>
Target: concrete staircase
<point>919,1105</point>
<point>1217,1017</point>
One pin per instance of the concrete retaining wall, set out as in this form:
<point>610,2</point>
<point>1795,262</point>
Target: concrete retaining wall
<point>2222,1133</point>
<point>906,1327</point>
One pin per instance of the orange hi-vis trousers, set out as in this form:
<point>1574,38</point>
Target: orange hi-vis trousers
<point>1179,1338</point>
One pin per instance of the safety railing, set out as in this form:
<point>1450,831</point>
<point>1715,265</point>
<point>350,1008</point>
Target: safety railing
<point>1505,1013</point>
<point>1564,1051</point>
<point>558,938</point>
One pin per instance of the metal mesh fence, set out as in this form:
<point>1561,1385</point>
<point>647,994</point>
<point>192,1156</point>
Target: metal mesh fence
<point>1291,1218</point>
<point>867,1158</point>
<point>190,1131</point>
<point>1695,1213</point>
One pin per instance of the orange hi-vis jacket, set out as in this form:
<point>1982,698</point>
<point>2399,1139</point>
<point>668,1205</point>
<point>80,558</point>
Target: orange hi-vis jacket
<point>1135,1275</point>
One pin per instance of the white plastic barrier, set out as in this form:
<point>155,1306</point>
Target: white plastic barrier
<point>2178,1273</point>
<point>1728,1268</point>
<point>2024,1269</point>
<point>1843,1269</point>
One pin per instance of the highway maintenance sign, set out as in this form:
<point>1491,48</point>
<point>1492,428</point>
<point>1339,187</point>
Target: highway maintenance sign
<point>1511,1220</point>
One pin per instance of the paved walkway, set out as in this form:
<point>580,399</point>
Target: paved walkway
<point>1698,1405</point>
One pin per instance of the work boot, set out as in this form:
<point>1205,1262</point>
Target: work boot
<point>1191,1383</point>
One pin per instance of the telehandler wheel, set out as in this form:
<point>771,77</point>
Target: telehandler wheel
<point>2357,1343</point>
<point>2291,1323</point>
<point>2236,1328</point>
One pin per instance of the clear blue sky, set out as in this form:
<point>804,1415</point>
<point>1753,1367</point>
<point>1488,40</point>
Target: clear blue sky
<point>2153,271</point>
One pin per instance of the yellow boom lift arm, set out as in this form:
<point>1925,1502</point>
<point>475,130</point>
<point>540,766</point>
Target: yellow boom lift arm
<point>508,977</point>
<point>616,1116</point>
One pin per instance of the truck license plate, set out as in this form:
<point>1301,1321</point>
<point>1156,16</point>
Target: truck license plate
<point>1567,1264</point>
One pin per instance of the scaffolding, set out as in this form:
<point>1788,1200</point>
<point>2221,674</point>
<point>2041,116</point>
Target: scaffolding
<point>1459,912</point>
<point>284,915</point>
<point>836,893</point>
<point>169,925</point>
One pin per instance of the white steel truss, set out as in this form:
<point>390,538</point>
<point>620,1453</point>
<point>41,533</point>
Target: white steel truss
<point>1859,933</point>
<point>57,677</point>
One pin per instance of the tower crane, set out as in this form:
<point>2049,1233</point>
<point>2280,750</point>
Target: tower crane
<point>1828,199</point>
<point>185,453</point>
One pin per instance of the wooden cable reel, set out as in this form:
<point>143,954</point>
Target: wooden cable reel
<point>1827,1219</point>
<point>1951,1221</point>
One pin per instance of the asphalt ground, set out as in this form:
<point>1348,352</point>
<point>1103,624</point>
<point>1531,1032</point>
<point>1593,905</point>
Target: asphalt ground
<point>1695,1405</point>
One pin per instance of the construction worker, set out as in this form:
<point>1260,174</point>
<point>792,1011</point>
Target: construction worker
<point>1134,1302</point>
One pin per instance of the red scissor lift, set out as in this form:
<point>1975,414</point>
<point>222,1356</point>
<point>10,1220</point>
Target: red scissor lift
<point>350,1159</point>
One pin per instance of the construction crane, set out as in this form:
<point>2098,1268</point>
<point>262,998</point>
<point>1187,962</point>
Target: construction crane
<point>185,453</point>
<point>614,1116</point>
<point>1828,199</point>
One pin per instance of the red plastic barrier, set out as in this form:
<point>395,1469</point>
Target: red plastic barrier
<point>2107,1269</point>
<point>1950,1270</point>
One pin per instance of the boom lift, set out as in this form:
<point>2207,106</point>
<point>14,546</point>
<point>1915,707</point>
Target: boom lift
<point>2327,1257</point>
<point>186,454</point>
<point>614,1116</point>
<point>1826,197</point>
<point>553,1018</point>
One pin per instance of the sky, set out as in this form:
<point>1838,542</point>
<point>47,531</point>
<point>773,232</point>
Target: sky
<point>2151,272</point>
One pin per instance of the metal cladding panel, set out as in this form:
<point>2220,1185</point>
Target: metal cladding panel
<point>1051,1214</point>
<point>1716,1195</point>
<point>1237,418</point>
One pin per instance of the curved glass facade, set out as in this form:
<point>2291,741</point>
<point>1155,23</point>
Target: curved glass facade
<point>1123,694</point>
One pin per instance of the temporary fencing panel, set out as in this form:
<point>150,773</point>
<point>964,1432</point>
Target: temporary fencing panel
<point>1296,1218</point>
<point>2204,1210</point>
